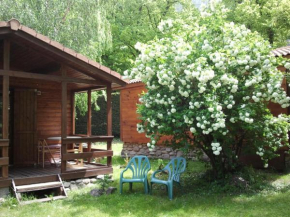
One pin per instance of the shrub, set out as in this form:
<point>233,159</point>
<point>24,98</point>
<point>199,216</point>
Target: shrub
<point>209,84</point>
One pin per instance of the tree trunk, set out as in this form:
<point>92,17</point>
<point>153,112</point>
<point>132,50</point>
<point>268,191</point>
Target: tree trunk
<point>271,35</point>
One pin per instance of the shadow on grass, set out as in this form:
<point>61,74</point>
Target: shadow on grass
<point>138,204</point>
<point>196,199</point>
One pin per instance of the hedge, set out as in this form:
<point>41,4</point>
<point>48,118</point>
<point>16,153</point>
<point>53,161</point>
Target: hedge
<point>99,118</point>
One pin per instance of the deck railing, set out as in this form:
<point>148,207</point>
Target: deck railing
<point>4,158</point>
<point>86,155</point>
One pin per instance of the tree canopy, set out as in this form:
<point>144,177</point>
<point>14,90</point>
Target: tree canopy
<point>79,25</point>
<point>271,18</point>
<point>135,21</point>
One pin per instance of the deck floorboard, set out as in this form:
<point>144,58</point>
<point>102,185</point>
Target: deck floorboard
<point>23,172</point>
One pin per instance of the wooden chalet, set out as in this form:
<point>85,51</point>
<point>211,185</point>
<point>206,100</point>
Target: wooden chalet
<point>39,78</point>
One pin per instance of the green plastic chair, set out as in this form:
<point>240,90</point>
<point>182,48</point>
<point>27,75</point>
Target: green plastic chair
<point>174,169</point>
<point>139,166</point>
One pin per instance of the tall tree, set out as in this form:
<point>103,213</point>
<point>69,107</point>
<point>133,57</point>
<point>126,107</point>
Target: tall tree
<point>135,21</point>
<point>80,25</point>
<point>271,18</point>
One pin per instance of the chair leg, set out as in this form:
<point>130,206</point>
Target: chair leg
<point>146,187</point>
<point>170,191</point>
<point>151,188</point>
<point>121,187</point>
<point>131,186</point>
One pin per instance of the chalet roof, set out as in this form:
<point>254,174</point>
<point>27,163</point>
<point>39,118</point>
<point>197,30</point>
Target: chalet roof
<point>281,51</point>
<point>58,52</point>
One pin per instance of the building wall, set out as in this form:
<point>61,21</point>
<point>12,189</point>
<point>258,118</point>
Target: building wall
<point>129,97</point>
<point>48,112</point>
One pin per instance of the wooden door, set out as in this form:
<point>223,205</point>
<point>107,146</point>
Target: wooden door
<point>25,133</point>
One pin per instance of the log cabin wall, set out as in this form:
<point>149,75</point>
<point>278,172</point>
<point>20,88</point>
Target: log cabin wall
<point>48,112</point>
<point>47,118</point>
<point>129,97</point>
<point>275,108</point>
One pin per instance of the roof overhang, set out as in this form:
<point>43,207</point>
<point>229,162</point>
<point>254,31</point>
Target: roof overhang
<point>21,34</point>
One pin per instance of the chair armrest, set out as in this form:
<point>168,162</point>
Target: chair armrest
<point>121,174</point>
<point>157,171</point>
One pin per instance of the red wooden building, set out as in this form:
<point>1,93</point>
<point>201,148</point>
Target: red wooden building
<point>39,78</point>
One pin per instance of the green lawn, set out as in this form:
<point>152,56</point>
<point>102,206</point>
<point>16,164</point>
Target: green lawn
<point>116,146</point>
<point>269,197</point>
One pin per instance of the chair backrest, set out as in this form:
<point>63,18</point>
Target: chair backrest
<point>175,167</point>
<point>139,165</point>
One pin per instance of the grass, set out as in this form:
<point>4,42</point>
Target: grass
<point>116,146</point>
<point>269,196</point>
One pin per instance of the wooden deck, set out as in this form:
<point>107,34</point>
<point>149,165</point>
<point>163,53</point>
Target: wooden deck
<point>29,175</point>
<point>25,172</point>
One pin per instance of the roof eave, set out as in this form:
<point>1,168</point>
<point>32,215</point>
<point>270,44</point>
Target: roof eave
<point>67,55</point>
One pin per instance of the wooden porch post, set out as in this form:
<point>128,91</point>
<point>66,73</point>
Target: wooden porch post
<point>109,121</point>
<point>5,109</point>
<point>73,113</point>
<point>63,120</point>
<point>89,122</point>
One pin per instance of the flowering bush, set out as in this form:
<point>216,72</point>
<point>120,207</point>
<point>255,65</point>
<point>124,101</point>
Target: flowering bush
<point>209,83</point>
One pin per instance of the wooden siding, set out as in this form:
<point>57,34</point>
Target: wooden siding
<point>129,97</point>
<point>48,111</point>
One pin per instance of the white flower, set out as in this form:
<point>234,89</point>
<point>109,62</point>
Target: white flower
<point>192,129</point>
<point>216,153</point>
<point>211,109</point>
<point>215,144</point>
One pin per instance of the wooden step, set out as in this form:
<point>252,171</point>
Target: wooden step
<point>32,186</point>
<point>43,200</point>
<point>35,180</point>
<point>38,186</point>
